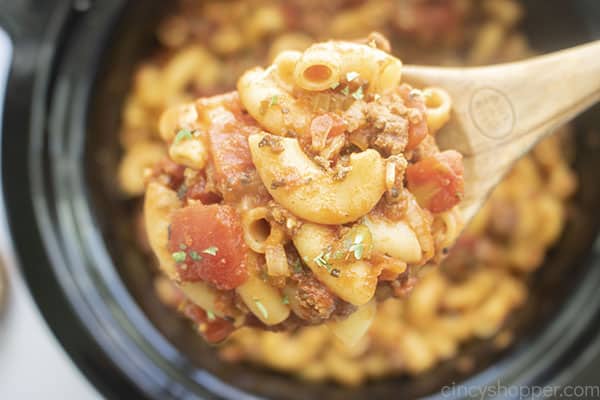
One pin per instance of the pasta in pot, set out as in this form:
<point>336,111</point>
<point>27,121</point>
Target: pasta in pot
<point>469,296</point>
<point>206,46</point>
<point>273,193</point>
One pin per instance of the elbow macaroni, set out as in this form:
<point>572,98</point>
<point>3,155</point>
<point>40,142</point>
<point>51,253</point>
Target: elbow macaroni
<point>274,209</point>
<point>318,197</point>
<point>358,279</point>
<point>393,345</point>
<point>320,67</point>
<point>438,105</point>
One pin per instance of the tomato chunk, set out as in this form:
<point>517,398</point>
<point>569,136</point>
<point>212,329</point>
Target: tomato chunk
<point>437,182</point>
<point>213,329</point>
<point>228,131</point>
<point>231,158</point>
<point>417,130</point>
<point>206,242</point>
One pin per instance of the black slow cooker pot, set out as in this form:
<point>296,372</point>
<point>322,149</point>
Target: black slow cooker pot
<point>71,67</point>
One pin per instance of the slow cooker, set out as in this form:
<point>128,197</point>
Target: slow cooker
<point>71,67</point>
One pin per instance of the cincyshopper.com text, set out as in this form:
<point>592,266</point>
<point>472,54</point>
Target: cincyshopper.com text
<point>587,392</point>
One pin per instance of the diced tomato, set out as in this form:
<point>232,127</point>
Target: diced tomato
<point>228,131</point>
<point>416,131</point>
<point>231,157</point>
<point>207,244</point>
<point>214,330</point>
<point>437,182</point>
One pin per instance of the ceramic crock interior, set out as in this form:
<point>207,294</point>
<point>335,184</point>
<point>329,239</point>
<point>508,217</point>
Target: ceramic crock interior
<point>550,286</point>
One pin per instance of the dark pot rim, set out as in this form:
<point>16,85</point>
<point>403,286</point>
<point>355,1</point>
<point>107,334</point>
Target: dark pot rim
<point>68,267</point>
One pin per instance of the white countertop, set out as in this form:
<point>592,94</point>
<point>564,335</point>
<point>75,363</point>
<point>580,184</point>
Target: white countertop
<point>32,363</point>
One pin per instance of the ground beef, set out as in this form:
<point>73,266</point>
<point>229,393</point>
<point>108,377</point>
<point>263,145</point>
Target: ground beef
<point>288,221</point>
<point>343,309</point>
<point>404,285</point>
<point>316,302</point>
<point>390,128</point>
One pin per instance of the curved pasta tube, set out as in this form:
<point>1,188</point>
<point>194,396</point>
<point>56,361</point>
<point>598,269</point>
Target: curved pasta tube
<point>469,294</point>
<point>353,328</point>
<point>419,355</point>
<point>287,42</point>
<point>357,280</point>
<point>291,352</point>
<point>256,88</point>
<point>276,259</point>
<point>439,105</point>
<point>175,118</point>
<point>258,232</point>
<point>191,64</point>
<point>202,295</point>
<point>159,203</point>
<point>318,68</point>
<point>133,164</point>
<point>395,238</point>
<point>263,300</point>
<point>423,304</point>
<point>315,195</point>
<point>192,153</point>
<point>323,64</point>
<point>452,227</point>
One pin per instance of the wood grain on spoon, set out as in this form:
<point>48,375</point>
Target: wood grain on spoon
<point>501,111</point>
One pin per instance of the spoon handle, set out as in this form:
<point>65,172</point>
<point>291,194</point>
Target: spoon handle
<point>526,100</point>
<point>505,102</point>
<point>501,111</point>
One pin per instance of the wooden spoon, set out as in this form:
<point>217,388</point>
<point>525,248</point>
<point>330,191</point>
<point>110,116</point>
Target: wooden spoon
<point>501,111</point>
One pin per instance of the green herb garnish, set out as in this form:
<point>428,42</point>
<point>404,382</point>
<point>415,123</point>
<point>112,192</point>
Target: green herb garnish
<point>195,256</point>
<point>346,91</point>
<point>274,101</point>
<point>338,255</point>
<point>358,95</point>
<point>212,250</point>
<point>285,300</point>
<point>181,135</point>
<point>261,307</point>
<point>179,256</point>
<point>321,261</point>
<point>182,246</point>
<point>350,76</point>
<point>211,315</point>
<point>357,246</point>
